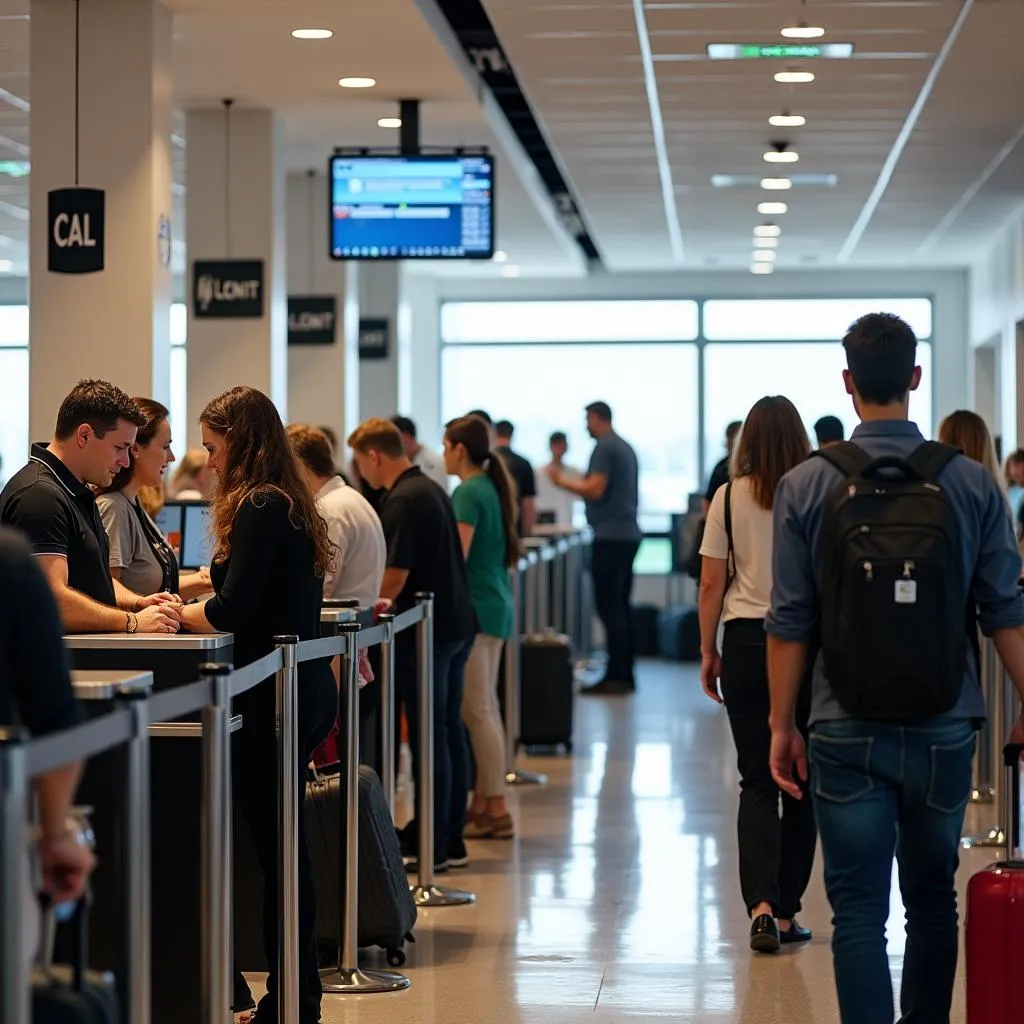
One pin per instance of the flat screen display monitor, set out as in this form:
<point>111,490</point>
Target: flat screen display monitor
<point>169,520</point>
<point>412,207</point>
<point>196,542</point>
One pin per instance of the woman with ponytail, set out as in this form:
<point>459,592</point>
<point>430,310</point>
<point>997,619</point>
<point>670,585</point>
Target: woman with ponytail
<point>485,508</point>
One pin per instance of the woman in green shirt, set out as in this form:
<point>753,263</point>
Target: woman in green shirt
<point>485,508</point>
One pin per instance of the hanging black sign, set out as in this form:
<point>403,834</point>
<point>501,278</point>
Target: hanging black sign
<point>75,221</point>
<point>374,338</point>
<point>227,288</point>
<point>311,319</point>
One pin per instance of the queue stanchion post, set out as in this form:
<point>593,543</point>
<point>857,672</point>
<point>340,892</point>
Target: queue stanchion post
<point>387,711</point>
<point>287,833</point>
<point>515,776</point>
<point>987,754</point>
<point>426,893</point>
<point>999,718</point>
<point>572,591</point>
<point>530,585</point>
<point>347,978</point>
<point>136,855</point>
<point>216,847</point>
<point>14,838</point>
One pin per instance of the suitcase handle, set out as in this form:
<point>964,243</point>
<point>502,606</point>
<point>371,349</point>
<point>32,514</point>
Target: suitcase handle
<point>1011,761</point>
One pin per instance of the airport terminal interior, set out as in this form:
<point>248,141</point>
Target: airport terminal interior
<point>425,207</point>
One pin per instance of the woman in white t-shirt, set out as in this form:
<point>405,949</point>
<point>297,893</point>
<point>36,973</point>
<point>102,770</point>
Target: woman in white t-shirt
<point>776,853</point>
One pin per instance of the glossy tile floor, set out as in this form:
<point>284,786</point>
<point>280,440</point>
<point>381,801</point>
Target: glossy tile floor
<point>619,899</point>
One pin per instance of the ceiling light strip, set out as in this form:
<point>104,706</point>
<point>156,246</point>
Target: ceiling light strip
<point>889,167</point>
<point>668,191</point>
<point>972,190</point>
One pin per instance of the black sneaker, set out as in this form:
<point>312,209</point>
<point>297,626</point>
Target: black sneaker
<point>458,855</point>
<point>608,688</point>
<point>412,865</point>
<point>764,935</point>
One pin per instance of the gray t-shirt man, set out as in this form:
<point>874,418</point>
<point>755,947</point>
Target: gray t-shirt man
<point>613,516</point>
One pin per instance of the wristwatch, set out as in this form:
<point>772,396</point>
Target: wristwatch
<point>132,624</point>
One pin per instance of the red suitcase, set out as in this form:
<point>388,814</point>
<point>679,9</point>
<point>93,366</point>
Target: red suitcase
<point>995,924</point>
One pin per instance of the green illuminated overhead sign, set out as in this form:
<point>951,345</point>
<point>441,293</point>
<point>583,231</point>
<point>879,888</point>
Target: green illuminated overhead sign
<point>780,51</point>
<point>14,168</point>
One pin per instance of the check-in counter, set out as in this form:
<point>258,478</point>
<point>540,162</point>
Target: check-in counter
<point>103,664</point>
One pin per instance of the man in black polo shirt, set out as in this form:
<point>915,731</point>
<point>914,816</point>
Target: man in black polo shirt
<point>425,555</point>
<point>522,474</point>
<point>51,502</point>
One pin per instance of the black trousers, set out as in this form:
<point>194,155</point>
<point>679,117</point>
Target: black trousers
<point>254,782</point>
<point>776,850</point>
<point>611,567</point>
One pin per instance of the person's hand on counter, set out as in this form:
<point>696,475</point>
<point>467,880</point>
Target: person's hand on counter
<point>159,618</point>
<point>155,600</point>
<point>196,584</point>
<point>383,606</point>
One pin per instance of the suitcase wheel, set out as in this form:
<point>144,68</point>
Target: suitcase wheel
<point>396,957</point>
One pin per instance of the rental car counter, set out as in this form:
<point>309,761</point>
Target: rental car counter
<point>176,787</point>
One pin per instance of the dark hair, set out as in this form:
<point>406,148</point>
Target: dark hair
<point>602,410</point>
<point>772,442</point>
<point>312,448</point>
<point>504,430</point>
<point>332,437</point>
<point>379,435</point>
<point>405,425</point>
<point>153,414</point>
<point>732,430</point>
<point>97,403</point>
<point>829,429</point>
<point>881,350</point>
<point>471,432</point>
<point>259,462</point>
<point>558,437</point>
<point>480,414</point>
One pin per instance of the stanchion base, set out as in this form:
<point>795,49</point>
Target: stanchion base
<point>993,837</point>
<point>351,980</point>
<point>983,795</point>
<point>517,777</point>
<point>440,896</point>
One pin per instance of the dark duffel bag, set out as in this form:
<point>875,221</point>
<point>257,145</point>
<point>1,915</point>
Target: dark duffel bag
<point>72,995</point>
<point>387,912</point>
<point>546,689</point>
<point>679,633</point>
<point>645,630</point>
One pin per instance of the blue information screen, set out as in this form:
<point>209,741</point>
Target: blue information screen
<point>412,207</point>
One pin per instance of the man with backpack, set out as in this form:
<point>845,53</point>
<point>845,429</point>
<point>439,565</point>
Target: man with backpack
<point>889,552</point>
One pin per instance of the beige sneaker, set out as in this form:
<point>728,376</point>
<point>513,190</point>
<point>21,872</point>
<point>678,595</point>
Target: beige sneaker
<point>484,826</point>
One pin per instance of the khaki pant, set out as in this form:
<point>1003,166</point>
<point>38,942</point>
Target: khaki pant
<point>482,715</point>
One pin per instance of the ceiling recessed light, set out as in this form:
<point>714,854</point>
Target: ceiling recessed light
<point>794,77</point>
<point>763,268</point>
<point>389,122</point>
<point>803,31</point>
<point>781,156</point>
<point>312,33</point>
<point>500,256</point>
<point>510,271</point>
<point>767,231</point>
<point>772,209</point>
<point>779,184</point>
<point>763,256</point>
<point>787,120</point>
<point>357,83</point>
<point>766,243</point>
<point>6,266</point>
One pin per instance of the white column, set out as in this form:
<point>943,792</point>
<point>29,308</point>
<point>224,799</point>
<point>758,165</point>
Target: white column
<point>323,380</point>
<point>379,295</point>
<point>235,208</point>
<point>419,355</point>
<point>113,324</point>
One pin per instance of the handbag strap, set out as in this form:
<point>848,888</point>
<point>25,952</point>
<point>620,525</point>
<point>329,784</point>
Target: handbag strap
<point>730,562</point>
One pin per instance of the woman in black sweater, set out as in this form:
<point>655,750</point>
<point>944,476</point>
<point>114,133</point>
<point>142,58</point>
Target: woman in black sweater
<point>271,551</point>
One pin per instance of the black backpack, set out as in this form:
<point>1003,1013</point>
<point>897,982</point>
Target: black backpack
<point>894,630</point>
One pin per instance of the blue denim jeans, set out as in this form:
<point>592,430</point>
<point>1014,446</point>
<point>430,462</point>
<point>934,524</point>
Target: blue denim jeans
<point>881,789</point>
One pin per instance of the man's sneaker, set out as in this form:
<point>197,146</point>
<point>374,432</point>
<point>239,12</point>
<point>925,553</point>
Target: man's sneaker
<point>458,855</point>
<point>412,865</point>
<point>484,826</point>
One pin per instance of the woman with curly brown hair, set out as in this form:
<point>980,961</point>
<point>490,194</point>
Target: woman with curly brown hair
<point>271,552</point>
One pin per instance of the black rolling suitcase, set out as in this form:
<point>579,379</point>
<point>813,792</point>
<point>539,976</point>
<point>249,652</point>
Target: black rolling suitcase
<point>72,995</point>
<point>679,633</point>
<point>387,912</point>
<point>546,691</point>
<point>645,630</point>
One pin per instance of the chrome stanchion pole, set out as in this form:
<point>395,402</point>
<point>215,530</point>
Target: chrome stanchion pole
<point>347,978</point>
<point>137,858</point>
<point>572,591</point>
<point>287,834</point>
<point>586,605</point>
<point>999,722</point>
<point>530,583</point>
<point>14,837</point>
<point>987,753</point>
<point>387,711</point>
<point>558,574</point>
<point>215,893</point>
<point>515,776</point>
<point>543,590</point>
<point>426,893</point>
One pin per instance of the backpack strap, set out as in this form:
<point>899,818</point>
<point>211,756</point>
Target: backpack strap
<point>930,459</point>
<point>730,562</point>
<point>850,459</point>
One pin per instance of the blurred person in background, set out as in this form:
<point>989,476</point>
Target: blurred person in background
<point>553,503</point>
<point>428,461</point>
<point>829,430</point>
<point>720,474</point>
<point>1015,485</point>
<point>193,480</point>
<point>522,475</point>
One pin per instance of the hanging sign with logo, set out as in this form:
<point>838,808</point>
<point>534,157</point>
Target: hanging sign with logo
<point>311,319</point>
<point>374,338</point>
<point>227,288</point>
<point>75,222</point>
